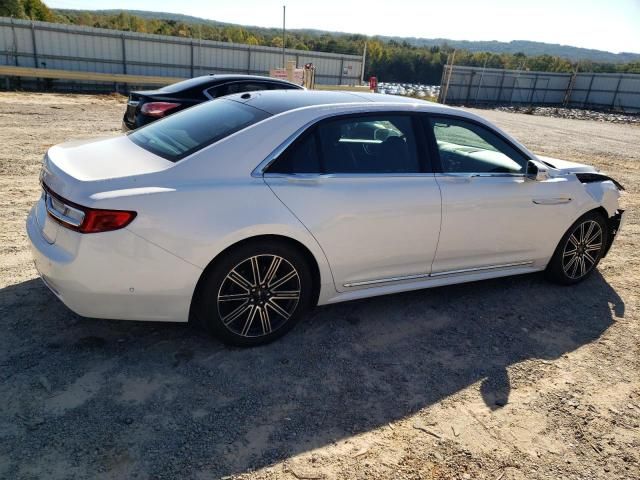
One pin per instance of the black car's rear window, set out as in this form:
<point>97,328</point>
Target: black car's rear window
<point>186,84</point>
<point>186,132</point>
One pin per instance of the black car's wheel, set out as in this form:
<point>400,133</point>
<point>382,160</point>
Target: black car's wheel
<point>255,293</point>
<point>580,250</point>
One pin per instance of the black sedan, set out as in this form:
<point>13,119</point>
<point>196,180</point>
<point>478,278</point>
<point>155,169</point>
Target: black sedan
<point>149,105</point>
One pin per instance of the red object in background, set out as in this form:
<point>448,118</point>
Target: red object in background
<point>373,83</point>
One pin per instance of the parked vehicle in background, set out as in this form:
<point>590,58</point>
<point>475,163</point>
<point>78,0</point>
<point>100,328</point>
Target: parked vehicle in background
<point>148,106</point>
<point>244,212</point>
<point>409,89</point>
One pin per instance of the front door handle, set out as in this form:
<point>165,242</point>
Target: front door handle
<point>551,200</point>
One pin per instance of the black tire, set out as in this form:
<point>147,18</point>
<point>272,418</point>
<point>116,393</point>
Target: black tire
<point>579,251</point>
<point>239,313</point>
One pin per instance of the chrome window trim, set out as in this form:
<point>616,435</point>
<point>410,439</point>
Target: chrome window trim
<point>320,176</point>
<point>438,274</point>
<point>472,174</point>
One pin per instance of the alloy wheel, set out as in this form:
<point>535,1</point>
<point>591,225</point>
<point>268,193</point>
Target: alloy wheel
<point>259,295</point>
<point>582,250</point>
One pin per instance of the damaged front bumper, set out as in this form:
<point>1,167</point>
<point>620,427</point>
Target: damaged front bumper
<point>615,224</point>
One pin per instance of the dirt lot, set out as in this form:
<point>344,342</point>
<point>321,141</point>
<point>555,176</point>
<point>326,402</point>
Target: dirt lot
<point>505,379</point>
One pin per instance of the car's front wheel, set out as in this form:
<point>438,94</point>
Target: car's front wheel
<point>580,250</point>
<point>255,293</point>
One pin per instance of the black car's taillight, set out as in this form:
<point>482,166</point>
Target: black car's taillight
<point>158,109</point>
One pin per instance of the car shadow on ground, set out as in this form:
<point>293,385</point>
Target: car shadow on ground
<point>165,401</point>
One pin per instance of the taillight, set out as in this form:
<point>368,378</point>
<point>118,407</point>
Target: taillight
<point>96,221</point>
<point>157,109</point>
<point>84,219</point>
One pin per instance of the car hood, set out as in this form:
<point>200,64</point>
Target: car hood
<point>564,166</point>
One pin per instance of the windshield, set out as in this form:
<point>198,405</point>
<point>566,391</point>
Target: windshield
<point>186,132</point>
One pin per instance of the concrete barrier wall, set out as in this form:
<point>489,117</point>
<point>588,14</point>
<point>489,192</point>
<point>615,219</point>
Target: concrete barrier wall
<point>77,48</point>
<point>478,86</point>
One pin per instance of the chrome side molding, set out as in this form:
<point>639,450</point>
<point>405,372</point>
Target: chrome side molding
<point>480,269</point>
<point>438,274</point>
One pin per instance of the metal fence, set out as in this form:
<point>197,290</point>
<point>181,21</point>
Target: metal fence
<point>489,86</point>
<point>69,47</point>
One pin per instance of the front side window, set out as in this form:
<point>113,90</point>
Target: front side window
<point>465,147</point>
<point>186,132</point>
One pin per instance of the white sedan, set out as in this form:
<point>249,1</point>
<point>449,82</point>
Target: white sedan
<point>244,212</point>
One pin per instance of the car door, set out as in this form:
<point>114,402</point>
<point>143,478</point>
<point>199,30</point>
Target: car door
<point>492,215</point>
<point>362,186</point>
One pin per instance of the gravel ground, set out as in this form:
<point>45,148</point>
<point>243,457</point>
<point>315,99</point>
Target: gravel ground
<point>575,113</point>
<point>505,379</point>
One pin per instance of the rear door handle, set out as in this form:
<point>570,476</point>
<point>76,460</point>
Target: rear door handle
<point>303,179</point>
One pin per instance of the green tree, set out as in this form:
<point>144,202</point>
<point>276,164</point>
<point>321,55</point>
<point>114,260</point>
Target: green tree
<point>12,8</point>
<point>36,10</point>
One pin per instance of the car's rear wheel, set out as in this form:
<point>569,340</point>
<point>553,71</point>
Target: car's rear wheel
<point>255,293</point>
<point>580,250</point>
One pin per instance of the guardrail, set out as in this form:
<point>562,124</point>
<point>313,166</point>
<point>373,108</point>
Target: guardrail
<point>27,72</point>
<point>119,78</point>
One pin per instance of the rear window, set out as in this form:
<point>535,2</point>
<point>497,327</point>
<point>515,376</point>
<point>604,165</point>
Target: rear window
<point>186,84</point>
<point>184,133</point>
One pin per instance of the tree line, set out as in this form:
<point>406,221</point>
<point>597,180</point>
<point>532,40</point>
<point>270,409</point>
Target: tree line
<point>389,60</point>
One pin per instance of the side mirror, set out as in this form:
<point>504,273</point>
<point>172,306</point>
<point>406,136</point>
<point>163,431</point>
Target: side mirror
<point>536,171</point>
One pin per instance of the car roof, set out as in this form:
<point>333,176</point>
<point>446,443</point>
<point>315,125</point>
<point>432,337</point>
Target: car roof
<point>215,79</point>
<point>278,101</point>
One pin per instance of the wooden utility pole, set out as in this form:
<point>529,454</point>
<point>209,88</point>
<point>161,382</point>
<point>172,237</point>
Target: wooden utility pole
<point>449,68</point>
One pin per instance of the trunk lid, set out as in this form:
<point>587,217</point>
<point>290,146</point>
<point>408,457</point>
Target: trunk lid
<point>70,165</point>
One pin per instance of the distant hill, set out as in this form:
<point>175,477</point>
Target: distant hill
<point>178,17</point>
<point>527,47</point>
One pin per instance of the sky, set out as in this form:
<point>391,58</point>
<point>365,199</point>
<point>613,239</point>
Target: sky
<point>611,25</point>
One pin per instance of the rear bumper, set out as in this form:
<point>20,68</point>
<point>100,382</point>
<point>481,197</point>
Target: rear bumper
<point>615,224</point>
<point>115,275</point>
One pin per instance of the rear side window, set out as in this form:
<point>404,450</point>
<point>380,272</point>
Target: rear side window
<point>244,87</point>
<point>372,144</point>
<point>302,157</point>
<point>283,86</point>
<point>186,132</point>
<point>239,87</point>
